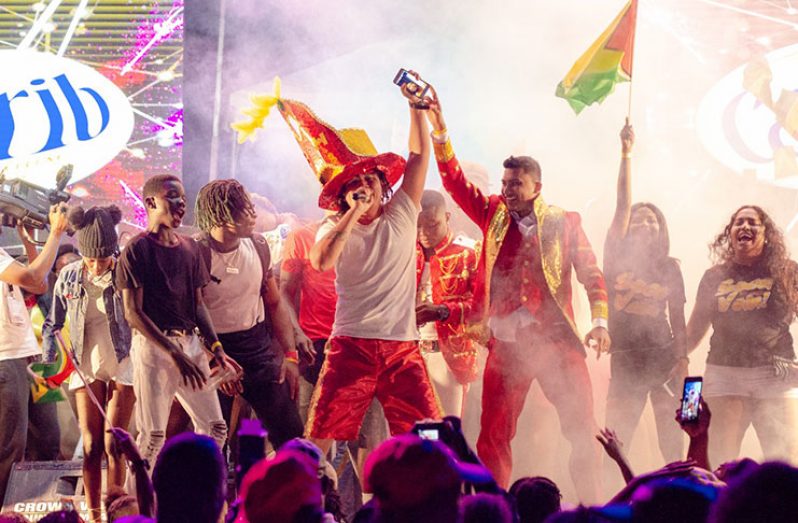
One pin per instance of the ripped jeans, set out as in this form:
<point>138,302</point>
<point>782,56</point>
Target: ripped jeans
<point>156,382</point>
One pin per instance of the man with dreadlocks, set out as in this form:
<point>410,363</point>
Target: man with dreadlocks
<point>241,292</point>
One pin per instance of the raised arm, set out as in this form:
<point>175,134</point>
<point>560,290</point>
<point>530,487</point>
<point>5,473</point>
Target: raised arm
<point>623,203</point>
<point>33,277</point>
<point>418,158</point>
<point>464,193</point>
<point>418,144</point>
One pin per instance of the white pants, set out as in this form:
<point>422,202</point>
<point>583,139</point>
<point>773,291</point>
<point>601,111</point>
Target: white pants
<point>156,382</point>
<point>449,392</point>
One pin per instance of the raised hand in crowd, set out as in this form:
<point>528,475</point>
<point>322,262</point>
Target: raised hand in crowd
<point>613,446</point>
<point>698,431</point>
<point>145,493</point>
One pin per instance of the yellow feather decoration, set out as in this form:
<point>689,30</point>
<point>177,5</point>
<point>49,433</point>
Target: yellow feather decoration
<point>261,106</point>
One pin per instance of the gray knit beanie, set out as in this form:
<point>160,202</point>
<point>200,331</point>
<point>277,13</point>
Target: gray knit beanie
<point>96,230</point>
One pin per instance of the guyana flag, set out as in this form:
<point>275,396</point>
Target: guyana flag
<point>607,62</point>
<point>56,372</point>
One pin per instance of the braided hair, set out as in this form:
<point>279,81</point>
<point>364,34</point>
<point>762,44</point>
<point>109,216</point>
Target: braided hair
<point>221,202</point>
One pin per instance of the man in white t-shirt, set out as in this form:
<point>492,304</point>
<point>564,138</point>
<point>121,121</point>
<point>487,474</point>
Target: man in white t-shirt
<point>18,345</point>
<point>247,312</point>
<point>371,245</point>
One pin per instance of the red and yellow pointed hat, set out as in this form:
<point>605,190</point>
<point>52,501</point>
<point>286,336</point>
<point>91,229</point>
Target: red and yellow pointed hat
<point>335,155</point>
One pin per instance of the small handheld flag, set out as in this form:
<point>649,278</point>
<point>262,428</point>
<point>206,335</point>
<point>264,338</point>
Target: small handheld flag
<point>56,373</point>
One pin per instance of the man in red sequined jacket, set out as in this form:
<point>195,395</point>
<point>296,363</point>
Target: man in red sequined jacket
<point>522,299</point>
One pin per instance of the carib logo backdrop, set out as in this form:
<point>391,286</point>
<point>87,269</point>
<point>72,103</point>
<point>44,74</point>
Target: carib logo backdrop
<point>749,119</point>
<point>56,111</point>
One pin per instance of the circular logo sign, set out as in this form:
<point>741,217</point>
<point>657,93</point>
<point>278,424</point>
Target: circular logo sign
<point>749,120</point>
<point>56,111</point>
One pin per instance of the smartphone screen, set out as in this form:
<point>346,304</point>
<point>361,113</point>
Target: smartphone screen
<point>429,434</point>
<point>428,430</point>
<point>404,77</point>
<point>691,398</point>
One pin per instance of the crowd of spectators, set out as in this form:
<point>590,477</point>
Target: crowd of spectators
<point>414,479</point>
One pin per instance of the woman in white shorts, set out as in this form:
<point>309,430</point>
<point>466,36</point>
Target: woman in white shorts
<point>750,298</point>
<point>100,338</point>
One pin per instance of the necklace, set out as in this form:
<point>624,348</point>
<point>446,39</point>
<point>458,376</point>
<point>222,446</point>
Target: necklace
<point>230,260</point>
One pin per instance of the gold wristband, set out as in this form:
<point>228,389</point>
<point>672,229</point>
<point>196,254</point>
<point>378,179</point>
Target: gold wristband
<point>626,156</point>
<point>216,344</point>
<point>439,134</point>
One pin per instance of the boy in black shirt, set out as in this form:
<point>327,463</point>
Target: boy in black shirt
<point>161,275</point>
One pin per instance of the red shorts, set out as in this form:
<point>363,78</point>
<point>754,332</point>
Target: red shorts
<point>357,369</point>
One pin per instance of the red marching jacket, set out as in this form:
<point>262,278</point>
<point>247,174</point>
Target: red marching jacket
<point>562,244</point>
<point>453,275</point>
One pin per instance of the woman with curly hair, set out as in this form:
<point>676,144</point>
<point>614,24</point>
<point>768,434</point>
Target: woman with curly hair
<point>100,338</point>
<point>750,298</point>
<point>647,326</point>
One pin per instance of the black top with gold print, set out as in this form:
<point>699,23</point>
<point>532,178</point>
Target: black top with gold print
<point>639,297</point>
<point>750,321</point>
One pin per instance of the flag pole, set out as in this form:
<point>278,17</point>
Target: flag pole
<point>632,61</point>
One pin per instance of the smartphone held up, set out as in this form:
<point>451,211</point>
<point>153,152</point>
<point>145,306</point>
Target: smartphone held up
<point>415,85</point>
<point>691,398</point>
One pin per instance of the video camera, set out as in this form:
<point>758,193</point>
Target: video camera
<point>29,204</point>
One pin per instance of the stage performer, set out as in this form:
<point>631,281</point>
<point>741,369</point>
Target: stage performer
<point>523,293</point>
<point>371,244</point>
<point>161,274</point>
<point>18,345</point>
<point>445,275</point>
<point>647,326</point>
<point>241,294</point>
<point>750,297</point>
<point>100,338</point>
<point>311,299</point>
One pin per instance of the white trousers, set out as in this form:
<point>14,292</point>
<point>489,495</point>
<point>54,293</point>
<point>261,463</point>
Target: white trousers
<point>157,381</point>
<point>449,392</point>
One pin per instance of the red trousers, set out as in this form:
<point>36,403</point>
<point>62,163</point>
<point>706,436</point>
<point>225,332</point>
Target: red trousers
<point>562,372</point>
<point>357,369</point>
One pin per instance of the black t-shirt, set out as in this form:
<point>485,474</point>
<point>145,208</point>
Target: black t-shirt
<point>750,319</point>
<point>169,277</point>
<point>639,293</point>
